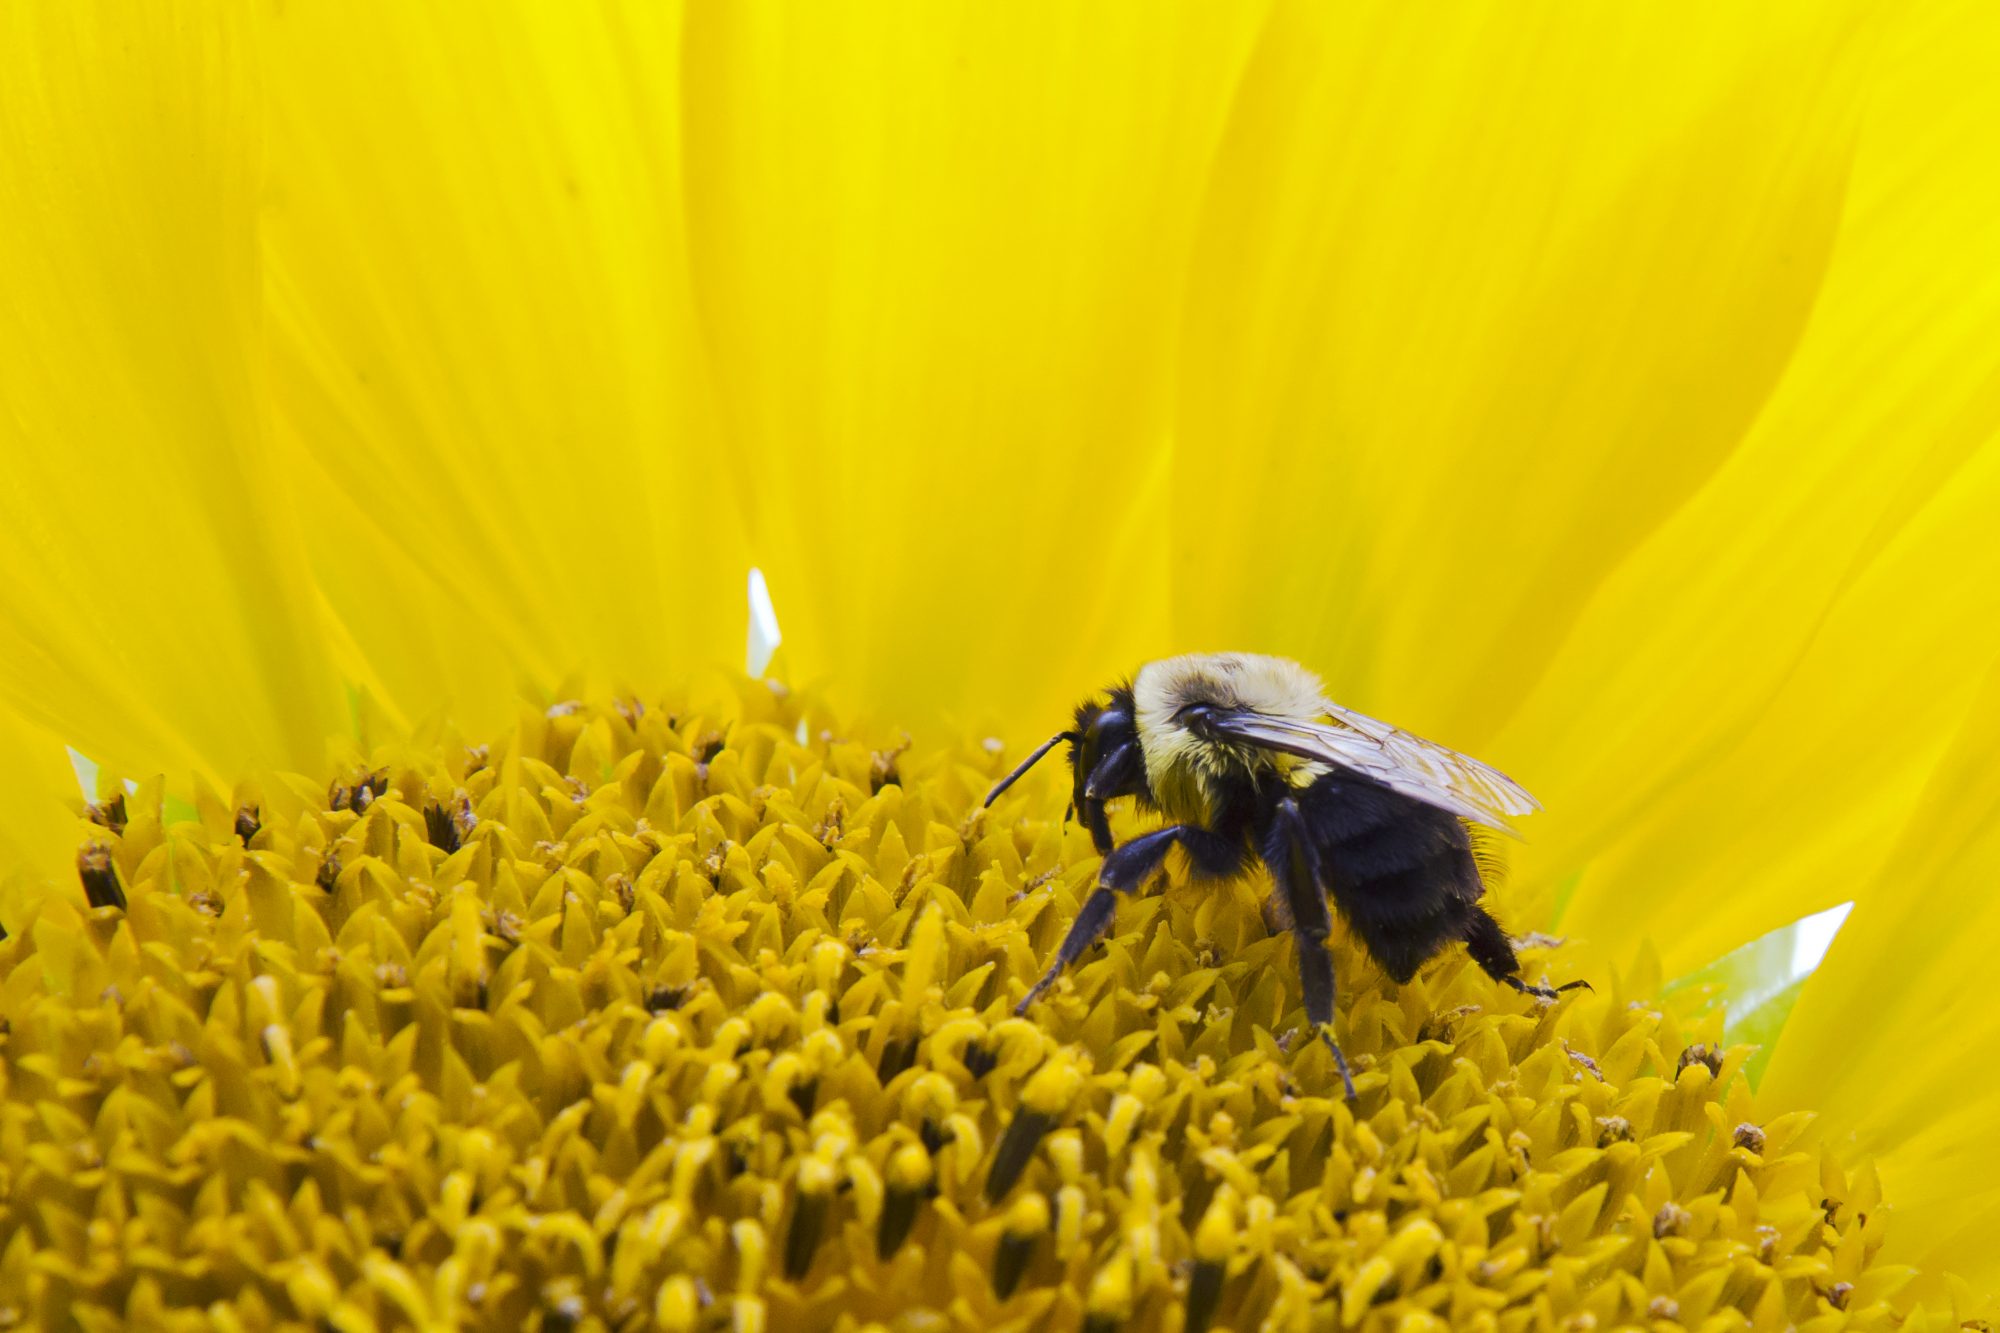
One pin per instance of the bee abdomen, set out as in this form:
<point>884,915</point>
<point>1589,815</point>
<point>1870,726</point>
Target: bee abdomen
<point>1401,872</point>
<point>1374,834</point>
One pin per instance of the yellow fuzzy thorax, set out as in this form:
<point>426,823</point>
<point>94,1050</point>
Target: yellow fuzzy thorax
<point>1185,772</point>
<point>706,1024</point>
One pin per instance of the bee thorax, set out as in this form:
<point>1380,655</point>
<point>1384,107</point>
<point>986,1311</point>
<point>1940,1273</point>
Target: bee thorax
<point>1186,765</point>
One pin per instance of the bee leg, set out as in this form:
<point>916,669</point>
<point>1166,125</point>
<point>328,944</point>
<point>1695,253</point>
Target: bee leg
<point>1543,992</point>
<point>1099,825</point>
<point>1294,864</point>
<point>1126,869</point>
<point>1494,952</point>
<point>1117,774</point>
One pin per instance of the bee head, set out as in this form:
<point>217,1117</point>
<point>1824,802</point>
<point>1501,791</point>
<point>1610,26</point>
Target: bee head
<point>1103,727</point>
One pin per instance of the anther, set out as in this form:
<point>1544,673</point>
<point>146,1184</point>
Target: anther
<point>441,829</point>
<point>665,999</point>
<point>110,814</point>
<point>978,1060</point>
<point>1017,1148</point>
<point>1214,1238</point>
<point>897,1056</point>
<point>909,1178</point>
<point>99,875</point>
<point>809,1210</point>
<point>1027,1222</point>
<point>1699,1054</point>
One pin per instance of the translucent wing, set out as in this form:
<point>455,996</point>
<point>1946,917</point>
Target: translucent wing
<point>1409,764</point>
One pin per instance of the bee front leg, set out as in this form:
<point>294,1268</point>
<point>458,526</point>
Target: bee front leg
<point>1294,864</point>
<point>1126,869</point>
<point>1118,773</point>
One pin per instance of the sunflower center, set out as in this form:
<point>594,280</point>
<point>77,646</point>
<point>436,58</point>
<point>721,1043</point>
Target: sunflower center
<point>700,1015</point>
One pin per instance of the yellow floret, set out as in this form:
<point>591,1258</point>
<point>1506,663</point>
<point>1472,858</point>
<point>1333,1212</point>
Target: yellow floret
<point>704,1024</point>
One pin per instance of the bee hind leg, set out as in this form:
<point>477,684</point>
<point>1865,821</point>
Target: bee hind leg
<point>1124,870</point>
<point>1544,992</point>
<point>1294,864</point>
<point>1494,952</point>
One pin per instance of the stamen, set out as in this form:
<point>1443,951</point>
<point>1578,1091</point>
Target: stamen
<point>733,1048</point>
<point>441,828</point>
<point>109,814</point>
<point>95,868</point>
<point>1017,1149</point>
<point>809,1210</point>
<point>909,1177</point>
<point>1027,1223</point>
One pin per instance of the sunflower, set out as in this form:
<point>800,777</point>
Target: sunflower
<point>1608,392</point>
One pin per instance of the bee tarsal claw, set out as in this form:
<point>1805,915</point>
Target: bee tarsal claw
<point>1544,992</point>
<point>1339,1060</point>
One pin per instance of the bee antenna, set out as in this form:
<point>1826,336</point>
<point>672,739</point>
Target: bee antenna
<point>1029,763</point>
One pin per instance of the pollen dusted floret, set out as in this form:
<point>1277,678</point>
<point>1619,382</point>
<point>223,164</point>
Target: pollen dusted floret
<point>704,1026</point>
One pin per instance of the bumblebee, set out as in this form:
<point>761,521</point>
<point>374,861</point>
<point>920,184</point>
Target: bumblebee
<point>1249,760</point>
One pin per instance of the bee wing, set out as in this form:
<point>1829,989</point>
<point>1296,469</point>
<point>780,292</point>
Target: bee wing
<point>1408,764</point>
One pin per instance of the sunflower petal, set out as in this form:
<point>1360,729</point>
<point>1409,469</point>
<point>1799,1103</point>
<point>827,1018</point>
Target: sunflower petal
<point>1749,709</point>
<point>1893,1039</point>
<point>154,611</point>
<point>1475,311</point>
<point>485,356</point>
<point>940,252</point>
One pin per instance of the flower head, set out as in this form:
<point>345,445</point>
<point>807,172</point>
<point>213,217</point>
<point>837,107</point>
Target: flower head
<point>678,1016</point>
<point>1609,393</point>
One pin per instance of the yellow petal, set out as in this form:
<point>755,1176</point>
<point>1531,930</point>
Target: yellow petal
<point>1476,309</point>
<point>37,844</point>
<point>1746,711</point>
<point>485,354</point>
<point>942,252</point>
<point>1895,1039</point>
<point>881,303</point>
<point>155,611</point>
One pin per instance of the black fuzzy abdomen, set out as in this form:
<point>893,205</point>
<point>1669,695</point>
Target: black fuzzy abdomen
<point>1400,871</point>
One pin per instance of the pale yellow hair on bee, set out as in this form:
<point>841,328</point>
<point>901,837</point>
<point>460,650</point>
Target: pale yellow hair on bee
<point>1183,768</point>
<point>1489,853</point>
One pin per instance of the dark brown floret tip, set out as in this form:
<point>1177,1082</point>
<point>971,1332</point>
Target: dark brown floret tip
<point>99,875</point>
<point>439,830</point>
<point>1671,1220</point>
<point>882,769</point>
<point>1750,1138</point>
<point>247,823</point>
<point>1700,1054</point>
<point>1010,1262</point>
<point>1204,1294</point>
<point>358,795</point>
<point>899,1214</point>
<point>666,999</point>
<point>1017,1148</point>
<point>109,814</point>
